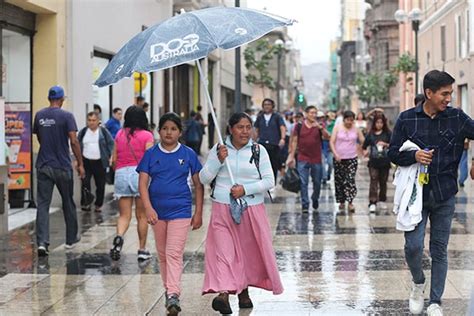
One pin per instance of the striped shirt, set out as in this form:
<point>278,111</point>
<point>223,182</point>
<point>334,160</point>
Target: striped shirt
<point>244,172</point>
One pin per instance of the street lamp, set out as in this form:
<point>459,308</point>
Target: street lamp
<point>279,43</point>
<point>415,17</point>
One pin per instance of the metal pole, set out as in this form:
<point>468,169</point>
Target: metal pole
<point>213,114</point>
<point>415,28</point>
<point>171,73</point>
<point>238,88</point>
<point>278,80</point>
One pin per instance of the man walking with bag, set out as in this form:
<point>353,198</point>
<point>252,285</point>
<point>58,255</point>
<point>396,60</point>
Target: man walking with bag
<point>307,141</point>
<point>55,128</point>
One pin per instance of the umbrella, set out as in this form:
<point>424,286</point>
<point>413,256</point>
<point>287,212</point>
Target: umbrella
<point>190,36</point>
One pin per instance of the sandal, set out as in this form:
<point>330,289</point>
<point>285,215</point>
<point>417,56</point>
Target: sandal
<point>221,304</point>
<point>115,251</point>
<point>351,208</point>
<point>342,206</point>
<point>244,299</point>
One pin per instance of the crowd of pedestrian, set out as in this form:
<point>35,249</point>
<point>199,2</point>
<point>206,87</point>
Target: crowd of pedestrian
<point>154,179</point>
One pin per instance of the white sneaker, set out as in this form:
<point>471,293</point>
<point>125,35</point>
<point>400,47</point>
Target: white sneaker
<point>383,205</point>
<point>434,310</point>
<point>416,298</point>
<point>372,208</point>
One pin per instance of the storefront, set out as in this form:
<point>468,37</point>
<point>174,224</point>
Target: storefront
<point>17,30</point>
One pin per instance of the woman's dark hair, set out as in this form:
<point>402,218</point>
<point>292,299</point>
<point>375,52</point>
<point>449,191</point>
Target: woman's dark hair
<point>268,100</point>
<point>173,117</point>
<point>135,118</point>
<point>379,116</point>
<point>235,118</point>
<point>363,115</point>
<point>348,114</point>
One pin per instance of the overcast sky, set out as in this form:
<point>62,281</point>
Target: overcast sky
<point>318,23</point>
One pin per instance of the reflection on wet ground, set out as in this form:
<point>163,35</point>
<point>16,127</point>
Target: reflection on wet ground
<point>331,263</point>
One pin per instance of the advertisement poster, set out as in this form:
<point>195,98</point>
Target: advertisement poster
<point>18,139</point>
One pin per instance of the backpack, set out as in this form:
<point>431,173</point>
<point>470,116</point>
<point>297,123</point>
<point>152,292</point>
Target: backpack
<point>255,159</point>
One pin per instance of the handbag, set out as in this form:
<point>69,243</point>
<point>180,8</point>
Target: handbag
<point>291,180</point>
<point>86,196</point>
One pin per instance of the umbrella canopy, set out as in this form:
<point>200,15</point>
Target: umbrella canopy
<point>187,37</point>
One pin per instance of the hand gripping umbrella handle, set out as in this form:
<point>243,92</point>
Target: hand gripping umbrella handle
<point>214,118</point>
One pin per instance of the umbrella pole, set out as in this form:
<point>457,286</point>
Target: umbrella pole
<point>214,118</point>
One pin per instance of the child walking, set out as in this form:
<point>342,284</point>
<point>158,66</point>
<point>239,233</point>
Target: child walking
<point>167,197</point>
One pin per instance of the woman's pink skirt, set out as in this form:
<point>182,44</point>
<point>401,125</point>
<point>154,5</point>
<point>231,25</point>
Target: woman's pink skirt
<point>238,256</point>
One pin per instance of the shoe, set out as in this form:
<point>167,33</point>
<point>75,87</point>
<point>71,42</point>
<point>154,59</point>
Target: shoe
<point>383,205</point>
<point>70,246</point>
<point>143,255</point>
<point>221,304</point>
<point>86,208</point>
<point>305,209</point>
<point>416,298</point>
<point>43,251</point>
<point>244,299</point>
<point>434,310</point>
<point>351,208</point>
<point>172,305</point>
<point>117,247</point>
<point>462,186</point>
<point>315,205</point>
<point>98,209</point>
<point>372,208</point>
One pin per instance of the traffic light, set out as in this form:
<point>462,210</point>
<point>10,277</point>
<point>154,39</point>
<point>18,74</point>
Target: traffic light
<point>300,98</point>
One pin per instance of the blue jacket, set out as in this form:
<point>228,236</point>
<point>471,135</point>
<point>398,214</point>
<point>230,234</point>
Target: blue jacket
<point>106,144</point>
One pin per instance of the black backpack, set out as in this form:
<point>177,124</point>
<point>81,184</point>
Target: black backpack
<point>255,158</point>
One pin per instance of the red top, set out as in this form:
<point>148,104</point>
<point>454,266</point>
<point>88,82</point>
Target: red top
<point>309,144</point>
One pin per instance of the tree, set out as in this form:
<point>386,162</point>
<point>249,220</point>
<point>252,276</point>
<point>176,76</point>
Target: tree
<point>373,87</point>
<point>257,59</point>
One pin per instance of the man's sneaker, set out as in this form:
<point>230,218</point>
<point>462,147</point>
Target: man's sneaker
<point>416,298</point>
<point>143,255</point>
<point>117,248</point>
<point>172,305</point>
<point>315,205</point>
<point>70,246</point>
<point>305,209</point>
<point>372,208</point>
<point>43,251</point>
<point>434,310</point>
<point>383,205</point>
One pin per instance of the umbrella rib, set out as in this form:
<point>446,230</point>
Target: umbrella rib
<point>205,26</point>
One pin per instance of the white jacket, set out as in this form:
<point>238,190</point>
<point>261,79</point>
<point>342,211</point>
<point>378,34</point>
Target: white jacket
<point>408,200</point>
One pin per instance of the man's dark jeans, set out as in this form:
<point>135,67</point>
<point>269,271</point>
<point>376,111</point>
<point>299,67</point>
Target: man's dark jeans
<point>441,216</point>
<point>47,177</point>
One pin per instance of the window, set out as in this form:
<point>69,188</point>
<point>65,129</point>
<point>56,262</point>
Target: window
<point>443,43</point>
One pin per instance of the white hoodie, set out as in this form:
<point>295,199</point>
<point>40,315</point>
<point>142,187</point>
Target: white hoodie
<point>408,200</point>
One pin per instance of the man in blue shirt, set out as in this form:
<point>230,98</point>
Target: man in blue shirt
<point>55,128</point>
<point>270,131</point>
<point>114,124</point>
<point>440,132</point>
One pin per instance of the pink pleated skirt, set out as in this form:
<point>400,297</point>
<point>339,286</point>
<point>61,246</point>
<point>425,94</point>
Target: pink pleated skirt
<point>239,256</point>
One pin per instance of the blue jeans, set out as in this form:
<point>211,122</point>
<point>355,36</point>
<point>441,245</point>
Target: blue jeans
<point>441,216</point>
<point>305,169</point>
<point>327,163</point>
<point>47,177</point>
<point>463,167</point>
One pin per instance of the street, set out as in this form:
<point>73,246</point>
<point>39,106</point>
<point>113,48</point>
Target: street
<point>330,263</point>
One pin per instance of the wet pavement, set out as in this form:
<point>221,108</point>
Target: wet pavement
<point>331,263</point>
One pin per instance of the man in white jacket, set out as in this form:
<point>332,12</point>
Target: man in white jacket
<point>440,132</point>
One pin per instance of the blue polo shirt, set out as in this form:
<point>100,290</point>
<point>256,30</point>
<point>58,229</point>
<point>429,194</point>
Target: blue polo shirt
<point>170,194</point>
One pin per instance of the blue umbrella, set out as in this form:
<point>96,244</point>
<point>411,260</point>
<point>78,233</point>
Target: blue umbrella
<point>191,36</point>
<point>187,37</point>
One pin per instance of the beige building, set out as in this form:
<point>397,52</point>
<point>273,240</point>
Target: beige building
<point>445,43</point>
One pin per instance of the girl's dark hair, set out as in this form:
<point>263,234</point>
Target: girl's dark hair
<point>348,114</point>
<point>268,100</point>
<point>173,117</point>
<point>379,116</point>
<point>235,118</point>
<point>135,119</point>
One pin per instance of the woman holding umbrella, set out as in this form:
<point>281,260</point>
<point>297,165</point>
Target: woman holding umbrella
<point>239,255</point>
